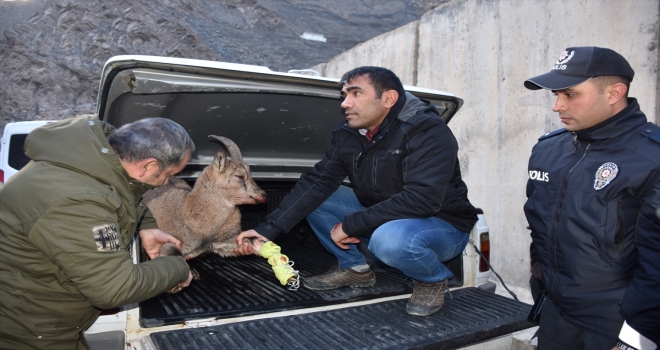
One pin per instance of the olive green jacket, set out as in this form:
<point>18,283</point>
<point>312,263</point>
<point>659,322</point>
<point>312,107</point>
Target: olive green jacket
<point>66,224</point>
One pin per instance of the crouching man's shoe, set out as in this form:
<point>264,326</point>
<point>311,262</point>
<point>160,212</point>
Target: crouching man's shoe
<point>427,298</point>
<point>336,277</point>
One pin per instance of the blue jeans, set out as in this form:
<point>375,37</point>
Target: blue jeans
<point>417,247</point>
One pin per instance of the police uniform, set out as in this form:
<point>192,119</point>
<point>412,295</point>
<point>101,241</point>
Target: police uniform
<point>592,200</point>
<point>592,197</point>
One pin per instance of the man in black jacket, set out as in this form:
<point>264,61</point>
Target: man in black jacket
<point>407,196</point>
<point>592,193</point>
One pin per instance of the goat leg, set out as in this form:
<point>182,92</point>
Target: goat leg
<point>169,249</point>
<point>177,288</point>
<point>255,243</point>
<point>224,248</point>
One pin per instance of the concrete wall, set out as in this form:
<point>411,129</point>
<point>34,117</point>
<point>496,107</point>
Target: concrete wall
<point>482,51</point>
<point>397,49</point>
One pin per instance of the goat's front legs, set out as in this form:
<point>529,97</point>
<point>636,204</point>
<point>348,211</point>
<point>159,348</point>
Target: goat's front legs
<point>224,248</point>
<point>169,249</point>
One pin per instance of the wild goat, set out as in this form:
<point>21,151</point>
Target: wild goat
<point>206,218</point>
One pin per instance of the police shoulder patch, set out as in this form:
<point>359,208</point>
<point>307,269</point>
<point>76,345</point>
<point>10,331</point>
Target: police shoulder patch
<point>652,131</point>
<point>106,237</point>
<point>655,137</point>
<point>552,133</point>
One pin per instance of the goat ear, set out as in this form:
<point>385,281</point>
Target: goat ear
<point>220,161</point>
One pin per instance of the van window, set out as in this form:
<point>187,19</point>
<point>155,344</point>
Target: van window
<point>17,158</point>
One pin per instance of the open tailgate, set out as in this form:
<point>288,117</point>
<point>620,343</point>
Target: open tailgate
<point>472,315</point>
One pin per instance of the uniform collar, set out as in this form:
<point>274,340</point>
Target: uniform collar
<point>628,119</point>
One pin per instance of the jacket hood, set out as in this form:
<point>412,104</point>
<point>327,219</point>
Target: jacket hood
<point>412,106</point>
<point>78,144</point>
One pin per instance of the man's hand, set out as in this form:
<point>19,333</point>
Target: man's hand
<point>177,288</point>
<point>186,283</point>
<point>153,238</point>
<point>340,237</point>
<point>249,242</point>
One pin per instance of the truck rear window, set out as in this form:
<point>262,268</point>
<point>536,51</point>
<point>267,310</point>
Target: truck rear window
<point>263,125</point>
<point>17,158</point>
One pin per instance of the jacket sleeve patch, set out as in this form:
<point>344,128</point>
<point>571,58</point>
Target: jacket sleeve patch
<point>106,237</point>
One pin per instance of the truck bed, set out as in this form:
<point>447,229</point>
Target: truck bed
<point>231,288</point>
<point>241,286</point>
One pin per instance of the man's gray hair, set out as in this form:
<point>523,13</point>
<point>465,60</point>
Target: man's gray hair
<point>159,138</point>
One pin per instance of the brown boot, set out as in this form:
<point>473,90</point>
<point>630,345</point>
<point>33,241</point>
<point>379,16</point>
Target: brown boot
<point>427,298</point>
<point>336,277</point>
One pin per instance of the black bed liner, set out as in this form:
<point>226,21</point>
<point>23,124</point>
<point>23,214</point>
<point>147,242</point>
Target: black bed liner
<point>471,316</point>
<point>241,286</point>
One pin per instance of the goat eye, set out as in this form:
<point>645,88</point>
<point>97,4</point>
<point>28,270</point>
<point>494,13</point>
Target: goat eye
<point>240,177</point>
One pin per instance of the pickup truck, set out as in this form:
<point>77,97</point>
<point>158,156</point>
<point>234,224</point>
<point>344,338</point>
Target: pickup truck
<point>282,123</point>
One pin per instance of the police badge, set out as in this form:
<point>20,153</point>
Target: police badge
<point>605,174</point>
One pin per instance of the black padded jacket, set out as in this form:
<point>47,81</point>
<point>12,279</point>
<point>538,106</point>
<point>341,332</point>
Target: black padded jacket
<point>409,170</point>
<point>592,200</point>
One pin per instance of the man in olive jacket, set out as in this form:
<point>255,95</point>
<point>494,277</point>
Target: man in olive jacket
<point>67,221</point>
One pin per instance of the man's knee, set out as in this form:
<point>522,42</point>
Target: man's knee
<point>384,247</point>
<point>379,244</point>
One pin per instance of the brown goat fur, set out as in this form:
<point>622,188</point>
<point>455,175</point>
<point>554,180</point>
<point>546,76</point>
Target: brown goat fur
<point>206,218</point>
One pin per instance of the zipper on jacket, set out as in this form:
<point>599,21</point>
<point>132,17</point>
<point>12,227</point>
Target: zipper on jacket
<point>360,157</point>
<point>574,143</point>
<point>583,155</point>
<point>553,233</point>
<point>375,176</point>
<point>356,159</point>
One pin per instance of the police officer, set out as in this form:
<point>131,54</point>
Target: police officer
<point>592,194</point>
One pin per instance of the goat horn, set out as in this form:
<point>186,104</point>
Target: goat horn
<point>234,152</point>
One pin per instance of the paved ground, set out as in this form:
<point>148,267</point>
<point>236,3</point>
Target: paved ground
<point>521,340</point>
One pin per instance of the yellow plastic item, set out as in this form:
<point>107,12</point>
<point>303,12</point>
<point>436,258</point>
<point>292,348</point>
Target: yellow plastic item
<point>281,264</point>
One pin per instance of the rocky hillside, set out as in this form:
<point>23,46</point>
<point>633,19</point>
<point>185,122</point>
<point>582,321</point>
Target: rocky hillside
<point>52,53</point>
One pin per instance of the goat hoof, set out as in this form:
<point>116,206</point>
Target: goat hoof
<point>195,274</point>
<point>175,289</point>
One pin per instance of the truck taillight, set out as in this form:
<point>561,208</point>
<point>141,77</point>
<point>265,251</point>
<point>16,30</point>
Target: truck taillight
<point>485,251</point>
<point>2,176</point>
